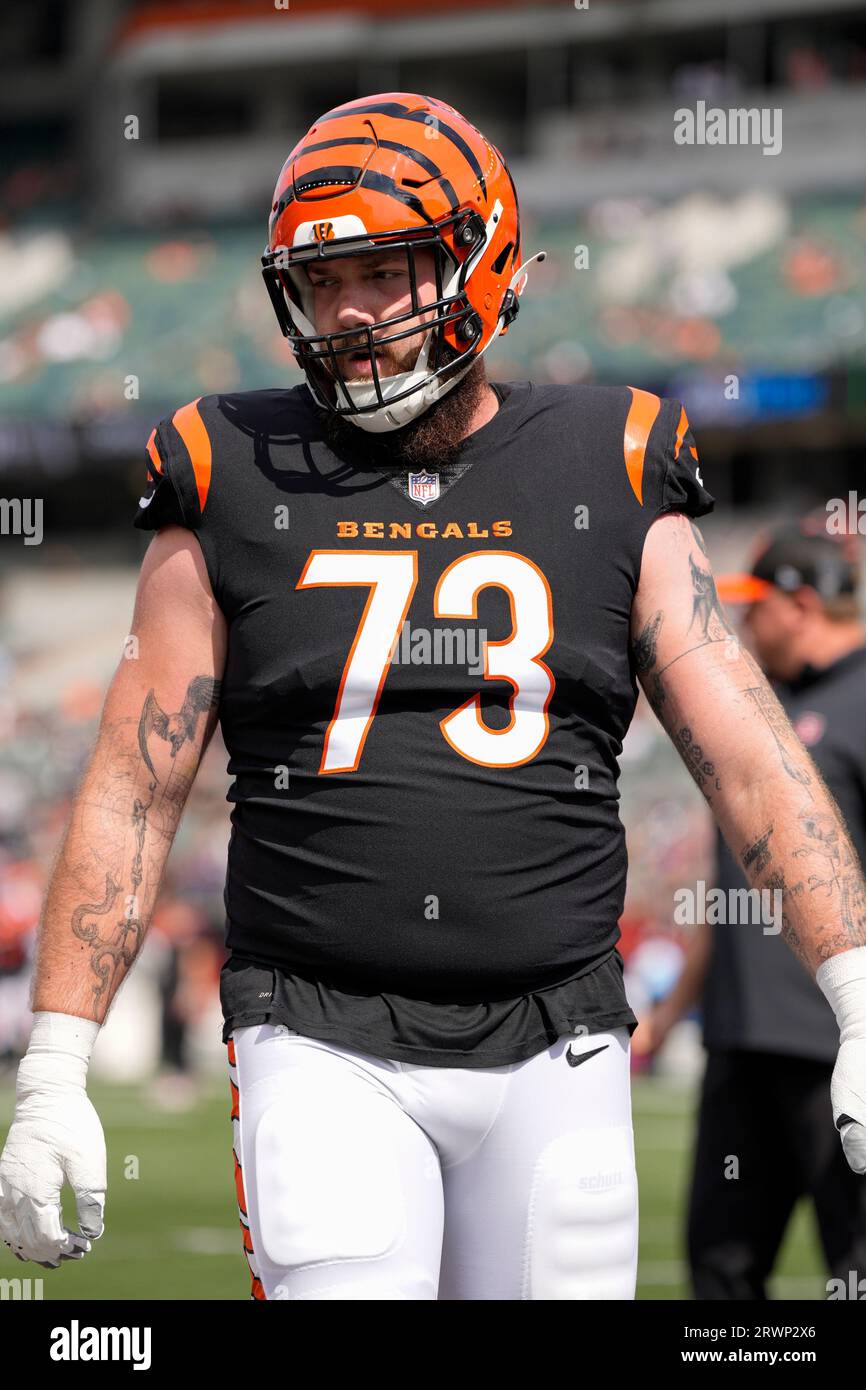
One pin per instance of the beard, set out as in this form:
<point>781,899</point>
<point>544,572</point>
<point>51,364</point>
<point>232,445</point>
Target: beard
<point>434,438</point>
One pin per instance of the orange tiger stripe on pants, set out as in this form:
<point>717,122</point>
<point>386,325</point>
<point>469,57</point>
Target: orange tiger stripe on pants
<point>257,1290</point>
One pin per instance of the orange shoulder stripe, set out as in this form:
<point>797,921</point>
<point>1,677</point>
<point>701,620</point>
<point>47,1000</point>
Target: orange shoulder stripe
<point>641,417</point>
<point>190,426</point>
<point>681,432</point>
<point>154,452</point>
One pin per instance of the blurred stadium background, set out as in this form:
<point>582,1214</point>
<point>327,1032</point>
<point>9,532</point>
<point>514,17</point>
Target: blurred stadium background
<point>140,147</point>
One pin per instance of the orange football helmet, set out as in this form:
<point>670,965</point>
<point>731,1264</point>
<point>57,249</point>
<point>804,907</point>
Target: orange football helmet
<point>396,172</point>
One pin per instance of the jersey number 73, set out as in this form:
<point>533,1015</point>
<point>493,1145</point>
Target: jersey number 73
<point>391,578</point>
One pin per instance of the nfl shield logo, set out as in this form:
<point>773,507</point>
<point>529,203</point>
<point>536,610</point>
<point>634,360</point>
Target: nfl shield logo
<point>424,487</point>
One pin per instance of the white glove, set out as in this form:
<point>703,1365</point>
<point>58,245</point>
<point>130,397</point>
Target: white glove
<point>55,1137</point>
<point>842,979</point>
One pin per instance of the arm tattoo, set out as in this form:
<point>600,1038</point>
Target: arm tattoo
<point>757,855</point>
<point>823,830</point>
<point>826,908</point>
<point>115,944</point>
<point>644,646</point>
<point>107,954</point>
<point>644,657</point>
<point>706,609</point>
<point>699,540</point>
<point>706,612</point>
<point>776,881</point>
<point>177,729</point>
<point>702,769</point>
<point>838,881</point>
<point>768,706</point>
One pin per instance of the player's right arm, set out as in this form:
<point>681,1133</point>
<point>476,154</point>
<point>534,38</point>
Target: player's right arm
<point>159,714</point>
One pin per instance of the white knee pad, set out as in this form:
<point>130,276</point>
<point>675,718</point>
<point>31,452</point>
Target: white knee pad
<point>581,1238</point>
<point>328,1186</point>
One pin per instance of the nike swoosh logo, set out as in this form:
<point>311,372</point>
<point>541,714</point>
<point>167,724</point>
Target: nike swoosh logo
<point>146,501</point>
<point>574,1059</point>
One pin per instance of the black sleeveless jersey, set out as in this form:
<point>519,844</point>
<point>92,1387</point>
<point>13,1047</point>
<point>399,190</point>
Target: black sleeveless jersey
<point>427,686</point>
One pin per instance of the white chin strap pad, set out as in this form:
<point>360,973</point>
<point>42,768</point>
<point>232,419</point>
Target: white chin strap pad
<point>425,390</point>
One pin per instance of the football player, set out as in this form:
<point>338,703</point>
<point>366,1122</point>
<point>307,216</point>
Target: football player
<point>419,603</point>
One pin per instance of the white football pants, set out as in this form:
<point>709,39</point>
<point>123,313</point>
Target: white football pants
<point>362,1178</point>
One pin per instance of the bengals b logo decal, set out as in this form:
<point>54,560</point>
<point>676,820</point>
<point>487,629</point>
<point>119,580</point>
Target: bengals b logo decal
<point>323,231</point>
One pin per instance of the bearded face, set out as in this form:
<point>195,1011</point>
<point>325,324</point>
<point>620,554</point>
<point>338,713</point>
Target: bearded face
<point>358,292</point>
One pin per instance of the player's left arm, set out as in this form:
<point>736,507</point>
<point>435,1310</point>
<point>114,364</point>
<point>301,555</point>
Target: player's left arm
<point>778,817</point>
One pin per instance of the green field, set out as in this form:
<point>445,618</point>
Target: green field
<point>173,1232</point>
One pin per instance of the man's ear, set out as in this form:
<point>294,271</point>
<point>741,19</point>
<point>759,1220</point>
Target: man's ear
<point>808,601</point>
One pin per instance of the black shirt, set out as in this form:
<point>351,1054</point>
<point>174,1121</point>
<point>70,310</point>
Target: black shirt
<point>758,995</point>
<point>426,859</point>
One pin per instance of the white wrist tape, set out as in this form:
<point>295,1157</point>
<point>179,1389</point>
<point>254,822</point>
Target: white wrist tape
<point>58,1053</point>
<point>842,980</point>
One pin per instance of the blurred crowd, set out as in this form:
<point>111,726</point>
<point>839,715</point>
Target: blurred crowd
<point>631,287</point>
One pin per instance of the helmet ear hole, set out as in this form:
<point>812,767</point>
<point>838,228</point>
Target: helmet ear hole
<point>499,264</point>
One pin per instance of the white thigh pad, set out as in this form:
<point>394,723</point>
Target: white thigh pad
<point>582,1225</point>
<point>328,1185</point>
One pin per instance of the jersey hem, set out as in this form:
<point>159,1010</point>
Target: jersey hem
<point>423,1056</point>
